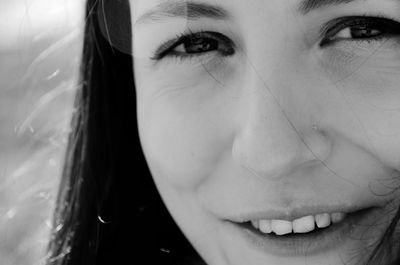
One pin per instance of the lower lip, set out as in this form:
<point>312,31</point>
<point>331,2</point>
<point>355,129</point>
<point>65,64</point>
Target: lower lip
<point>302,244</point>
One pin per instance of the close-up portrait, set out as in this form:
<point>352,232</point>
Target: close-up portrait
<point>200,132</point>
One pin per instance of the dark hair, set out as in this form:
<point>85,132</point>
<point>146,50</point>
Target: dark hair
<point>387,250</point>
<point>108,209</point>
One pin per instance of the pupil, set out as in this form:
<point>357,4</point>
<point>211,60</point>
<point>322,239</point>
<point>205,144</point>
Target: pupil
<point>364,32</point>
<point>198,45</point>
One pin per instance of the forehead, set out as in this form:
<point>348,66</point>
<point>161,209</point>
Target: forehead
<point>141,7</point>
<point>241,11</point>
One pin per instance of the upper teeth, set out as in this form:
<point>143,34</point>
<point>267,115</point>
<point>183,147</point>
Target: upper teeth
<point>301,225</point>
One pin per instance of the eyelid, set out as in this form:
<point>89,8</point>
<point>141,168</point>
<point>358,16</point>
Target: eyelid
<point>334,26</point>
<point>169,45</point>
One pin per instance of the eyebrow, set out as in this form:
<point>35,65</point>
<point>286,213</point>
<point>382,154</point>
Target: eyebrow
<point>193,10</point>
<point>182,9</point>
<point>307,6</point>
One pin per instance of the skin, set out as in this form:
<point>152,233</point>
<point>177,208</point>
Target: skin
<point>281,124</point>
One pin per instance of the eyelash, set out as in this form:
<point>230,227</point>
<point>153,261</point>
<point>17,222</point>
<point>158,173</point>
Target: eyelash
<point>385,26</point>
<point>167,49</point>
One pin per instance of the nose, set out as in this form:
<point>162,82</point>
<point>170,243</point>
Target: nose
<point>279,132</point>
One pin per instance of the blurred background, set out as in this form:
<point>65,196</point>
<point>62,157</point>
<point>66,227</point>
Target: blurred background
<point>40,45</point>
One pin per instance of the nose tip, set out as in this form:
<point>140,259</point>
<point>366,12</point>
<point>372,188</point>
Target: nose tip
<point>275,153</point>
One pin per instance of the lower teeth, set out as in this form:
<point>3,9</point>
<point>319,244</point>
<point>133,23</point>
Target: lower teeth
<point>316,230</point>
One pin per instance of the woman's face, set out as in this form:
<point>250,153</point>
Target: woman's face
<point>272,128</point>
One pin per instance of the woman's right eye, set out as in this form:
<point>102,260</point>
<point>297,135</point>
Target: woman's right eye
<point>195,44</point>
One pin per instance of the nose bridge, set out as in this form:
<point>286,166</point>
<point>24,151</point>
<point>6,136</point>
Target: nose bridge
<point>272,141</point>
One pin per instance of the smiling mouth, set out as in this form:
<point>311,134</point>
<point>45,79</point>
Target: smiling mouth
<point>302,236</point>
<point>305,224</point>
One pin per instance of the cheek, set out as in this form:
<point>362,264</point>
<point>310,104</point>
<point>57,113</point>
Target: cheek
<point>368,81</point>
<point>382,128</point>
<point>185,120</point>
<point>375,102</point>
<point>183,138</point>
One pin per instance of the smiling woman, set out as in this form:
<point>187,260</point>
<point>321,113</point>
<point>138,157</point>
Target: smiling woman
<point>270,130</point>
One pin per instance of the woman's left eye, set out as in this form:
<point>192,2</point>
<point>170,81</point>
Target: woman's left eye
<point>359,29</point>
<point>196,44</point>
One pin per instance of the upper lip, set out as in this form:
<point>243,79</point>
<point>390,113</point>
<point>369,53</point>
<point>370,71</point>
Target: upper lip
<point>291,214</point>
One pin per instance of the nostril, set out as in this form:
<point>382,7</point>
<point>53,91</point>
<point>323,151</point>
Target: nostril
<point>277,156</point>
<point>269,163</point>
